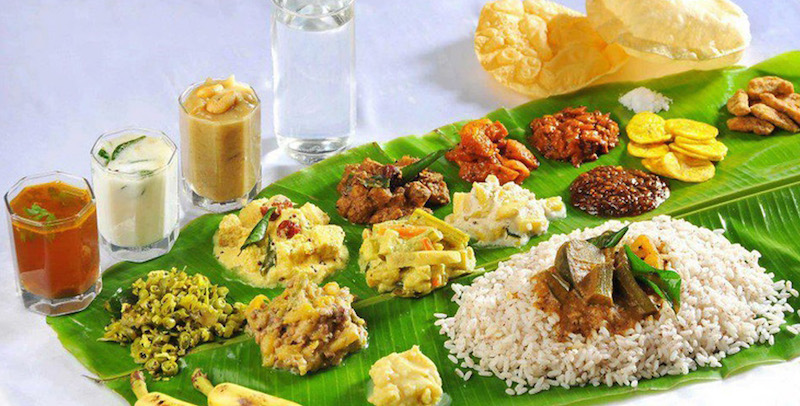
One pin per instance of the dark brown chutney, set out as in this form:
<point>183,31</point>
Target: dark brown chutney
<point>614,191</point>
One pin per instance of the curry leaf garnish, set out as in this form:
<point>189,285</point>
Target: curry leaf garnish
<point>103,154</point>
<point>608,239</point>
<point>259,231</point>
<point>37,212</point>
<point>666,283</point>
<point>121,147</point>
<point>376,181</point>
<point>411,171</point>
<point>118,300</point>
<point>270,258</point>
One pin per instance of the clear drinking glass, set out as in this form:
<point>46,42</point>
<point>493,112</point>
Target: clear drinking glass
<point>313,68</point>
<point>138,207</point>
<point>53,226</point>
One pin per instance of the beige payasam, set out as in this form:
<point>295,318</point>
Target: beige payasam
<point>220,122</point>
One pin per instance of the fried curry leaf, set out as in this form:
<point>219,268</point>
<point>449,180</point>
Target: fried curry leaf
<point>376,181</point>
<point>123,146</point>
<point>665,282</point>
<point>119,298</point>
<point>407,173</point>
<point>411,171</point>
<point>270,258</point>
<point>609,239</point>
<point>259,231</point>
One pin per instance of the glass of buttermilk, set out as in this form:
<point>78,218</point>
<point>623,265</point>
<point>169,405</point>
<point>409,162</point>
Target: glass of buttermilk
<point>220,122</point>
<point>135,177</point>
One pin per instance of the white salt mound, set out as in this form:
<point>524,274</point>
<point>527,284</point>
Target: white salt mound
<point>643,99</point>
<point>729,303</point>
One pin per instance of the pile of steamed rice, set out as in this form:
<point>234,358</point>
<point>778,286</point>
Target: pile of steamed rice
<point>729,303</point>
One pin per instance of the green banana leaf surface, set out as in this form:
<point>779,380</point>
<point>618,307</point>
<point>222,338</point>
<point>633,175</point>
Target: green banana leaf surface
<point>754,198</point>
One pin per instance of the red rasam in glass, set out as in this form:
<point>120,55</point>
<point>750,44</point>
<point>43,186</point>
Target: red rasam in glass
<point>53,225</point>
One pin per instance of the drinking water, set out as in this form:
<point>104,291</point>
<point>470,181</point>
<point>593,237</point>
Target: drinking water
<point>313,61</point>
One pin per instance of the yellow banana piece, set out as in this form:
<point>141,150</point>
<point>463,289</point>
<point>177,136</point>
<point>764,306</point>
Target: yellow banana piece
<point>230,394</point>
<point>145,398</point>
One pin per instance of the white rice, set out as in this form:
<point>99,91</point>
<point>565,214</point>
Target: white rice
<point>643,99</point>
<point>729,302</point>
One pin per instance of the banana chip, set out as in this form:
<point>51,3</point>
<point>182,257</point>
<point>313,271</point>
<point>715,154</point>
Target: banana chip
<point>677,148</point>
<point>690,129</point>
<point>693,169</point>
<point>647,150</point>
<point>715,151</point>
<point>541,48</point>
<point>683,140</point>
<point>687,158</point>
<point>679,166</point>
<point>647,128</point>
<point>666,165</point>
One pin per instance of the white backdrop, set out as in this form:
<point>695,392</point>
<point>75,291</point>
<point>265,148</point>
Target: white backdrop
<point>73,69</point>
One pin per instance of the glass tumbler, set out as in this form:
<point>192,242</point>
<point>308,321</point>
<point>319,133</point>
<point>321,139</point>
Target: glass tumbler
<point>138,206</point>
<point>53,227</point>
<point>220,155</point>
<point>313,68</point>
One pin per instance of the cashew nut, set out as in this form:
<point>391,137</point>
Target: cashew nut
<point>221,102</point>
<point>210,90</point>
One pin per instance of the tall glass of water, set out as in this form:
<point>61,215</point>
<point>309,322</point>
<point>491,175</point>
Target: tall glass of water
<point>313,65</point>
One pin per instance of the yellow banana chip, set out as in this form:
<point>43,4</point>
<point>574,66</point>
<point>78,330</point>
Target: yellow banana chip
<point>647,150</point>
<point>715,151</point>
<point>682,167</point>
<point>691,154</point>
<point>683,140</point>
<point>659,165</point>
<point>677,148</point>
<point>693,169</point>
<point>542,48</point>
<point>696,130</point>
<point>647,128</point>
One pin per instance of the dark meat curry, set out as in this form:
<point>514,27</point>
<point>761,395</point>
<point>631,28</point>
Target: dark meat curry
<point>372,192</point>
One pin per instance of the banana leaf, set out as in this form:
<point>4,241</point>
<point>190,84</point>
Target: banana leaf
<point>754,198</point>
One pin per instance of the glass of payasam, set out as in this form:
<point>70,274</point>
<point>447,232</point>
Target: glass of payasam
<point>135,177</point>
<point>53,226</point>
<point>220,122</point>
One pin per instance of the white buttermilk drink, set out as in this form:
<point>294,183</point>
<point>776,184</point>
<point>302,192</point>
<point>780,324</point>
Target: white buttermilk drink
<point>135,176</point>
